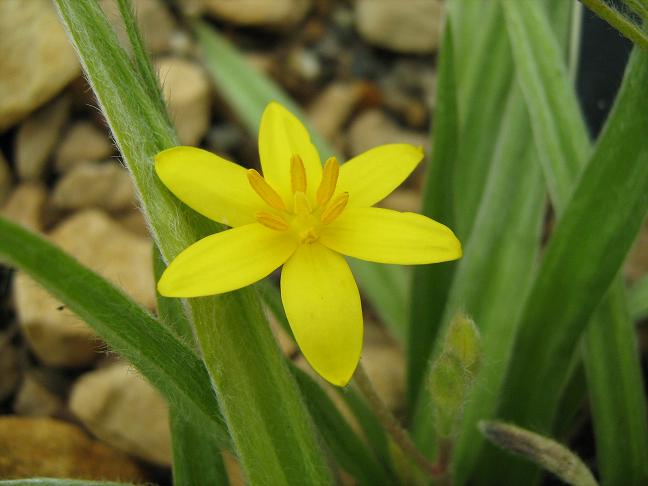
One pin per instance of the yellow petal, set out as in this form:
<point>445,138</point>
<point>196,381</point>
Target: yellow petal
<point>281,136</point>
<point>209,184</point>
<point>386,236</point>
<point>374,174</point>
<point>322,304</point>
<point>226,261</point>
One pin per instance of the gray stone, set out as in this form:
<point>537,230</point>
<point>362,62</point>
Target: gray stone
<point>125,411</point>
<point>36,58</point>
<point>408,26</point>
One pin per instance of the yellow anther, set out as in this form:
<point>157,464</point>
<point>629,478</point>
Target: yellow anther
<point>272,221</point>
<point>302,206</point>
<point>335,208</point>
<point>297,174</point>
<point>329,181</point>
<point>263,189</point>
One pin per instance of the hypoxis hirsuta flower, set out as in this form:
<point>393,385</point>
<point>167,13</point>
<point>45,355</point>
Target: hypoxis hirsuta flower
<point>304,217</point>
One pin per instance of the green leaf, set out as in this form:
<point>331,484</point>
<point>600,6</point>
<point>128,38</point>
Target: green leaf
<point>599,225</point>
<point>254,386</point>
<point>561,135</point>
<point>431,283</point>
<point>349,451</point>
<point>616,392</point>
<point>58,482</point>
<point>547,453</point>
<point>248,92</point>
<point>196,457</point>
<point>639,300</point>
<point>127,328</point>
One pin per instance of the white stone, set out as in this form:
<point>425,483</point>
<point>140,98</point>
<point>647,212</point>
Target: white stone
<point>408,26</point>
<point>104,185</point>
<point>125,411</point>
<point>187,92</point>
<point>57,336</point>
<point>36,57</point>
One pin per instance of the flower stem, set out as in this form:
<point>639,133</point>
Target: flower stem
<point>617,20</point>
<point>389,422</point>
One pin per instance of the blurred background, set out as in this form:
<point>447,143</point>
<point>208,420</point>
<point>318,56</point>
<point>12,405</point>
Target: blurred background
<point>364,73</point>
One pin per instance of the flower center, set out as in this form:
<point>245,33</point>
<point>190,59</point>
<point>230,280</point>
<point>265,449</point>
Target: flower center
<point>305,218</point>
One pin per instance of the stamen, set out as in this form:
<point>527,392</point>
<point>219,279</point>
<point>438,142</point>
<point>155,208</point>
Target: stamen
<point>297,174</point>
<point>329,181</point>
<point>302,206</point>
<point>272,221</point>
<point>335,208</point>
<point>263,189</point>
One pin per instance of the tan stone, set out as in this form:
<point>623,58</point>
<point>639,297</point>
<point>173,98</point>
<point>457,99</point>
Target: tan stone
<point>106,185</point>
<point>25,205</point>
<point>332,108</point>
<point>44,447</point>
<point>134,222</point>
<point>269,13</point>
<point>409,26</point>
<point>124,410</point>
<point>153,18</point>
<point>187,92</point>
<point>35,400</point>
<point>56,335</point>
<point>5,178</point>
<point>373,128</point>
<point>37,136</point>
<point>9,367</point>
<point>406,200</point>
<point>637,264</point>
<point>83,142</point>
<point>36,58</point>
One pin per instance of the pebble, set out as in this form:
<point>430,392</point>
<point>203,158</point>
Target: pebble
<point>373,128</point>
<point>37,136</point>
<point>407,26</point>
<point>333,107</point>
<point>304,64</point>
<point>266,13</point>
<point>83,142</point>
<point>186,88</point>
<point>155,22</point>
<point>44,447</point>
<point>125,411</point>
<point>54,333</point>
<point>36,58</point>
<point>104,185</point>
<point>5,179</point>
<point>9,368</point>
<point>405,200</point>
<point>134,222</point>
<point>384,363</point>
<point>26,205</point>
<point>34,399</point>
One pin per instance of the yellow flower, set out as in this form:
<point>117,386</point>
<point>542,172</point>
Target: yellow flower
<point>305,218</point>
